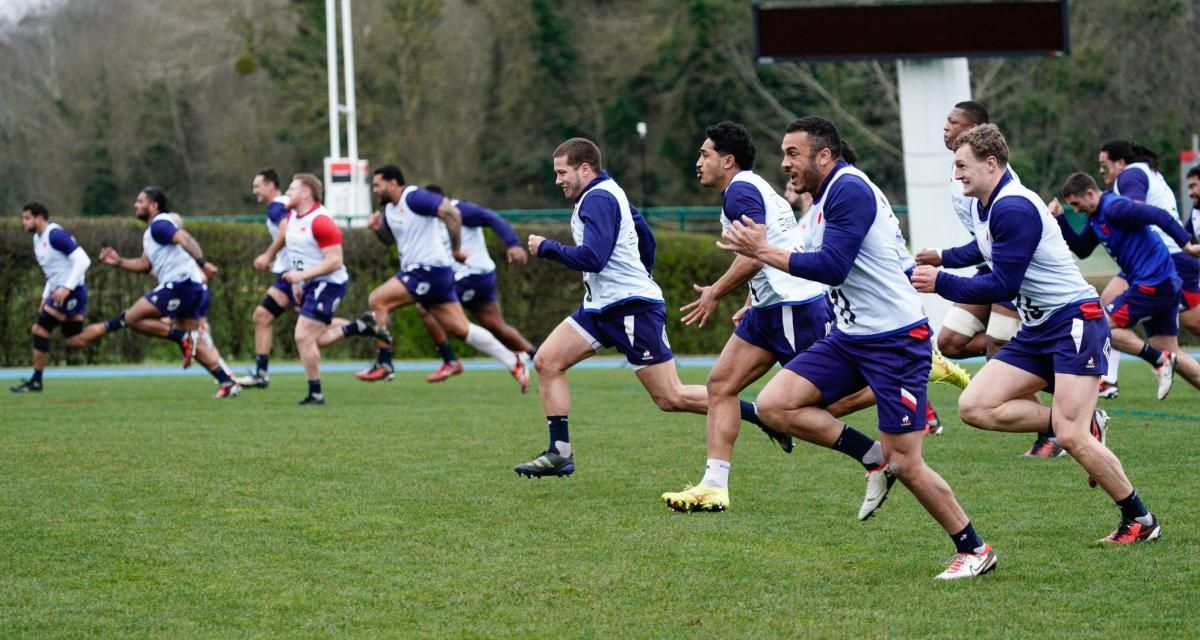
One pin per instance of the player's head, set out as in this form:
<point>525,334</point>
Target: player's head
<point>387,183</point>
<point>727,149</point>
<point>34,217</point>
<point>964,116</point>
<point>1193,186</point>
<point>980,160</point>
<point>266,185</point>
<point>1082,192</point>
<point>304,191</point>
<point>811,147</point>
<point>576,164</point>
<point>1145,154</point>
<point>150,202</point>
<point>1114,156</point>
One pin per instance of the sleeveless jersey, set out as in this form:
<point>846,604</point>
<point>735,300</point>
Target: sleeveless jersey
<point>419,239</point>
<point>964,205</point>
<point>169,262</point>
<point>55,264</point>
<point>474,243</point>
<point>876,298</point>
<point>1158,194</point>
<point>303,250</point>
<point>624,277</point>
<point>281,260</point>
<point>770,286</point>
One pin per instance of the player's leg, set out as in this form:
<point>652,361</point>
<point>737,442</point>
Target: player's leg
<point>142,312</point>
<point>1003,324</point>
<point>662,382</point>
<point>191,317</point>
<point>451,365</point>
<point>392,294</point>
<point>1159,309</point>
<point>307,333</point>
<point>47,320</point>
<point>276,300</point>
<point>490,317</point>
<point>567,345</point>
<point>450,315</point>
<point>1109,387</point>
<point>1185,365</point>
<point>962,334</point>
<point>999,398</point>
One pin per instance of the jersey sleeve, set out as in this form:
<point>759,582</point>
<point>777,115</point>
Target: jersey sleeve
<point>474,215</point>
<point>163,231</point>
<point>646,242</point>
<point>1016,228</point>
<point>63,241</point>
<point>276,212</point>
<point>967,255</point>
<point>601,217</point>
<point>326,232</point>
<point>846,227</point>
<point>1132,215</point>
<point>743,199</point>
<point>1081,244</point>
<point>424,203</point>
<point>1134,184</point>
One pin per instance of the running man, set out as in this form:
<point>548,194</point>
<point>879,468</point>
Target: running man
<point>1064,343</point>
<point>416,220</point>
<point>279,295</point>
<point>176,259</point>
<point>881,339</point>
<point>64,298</point>
<point>1153,297</point>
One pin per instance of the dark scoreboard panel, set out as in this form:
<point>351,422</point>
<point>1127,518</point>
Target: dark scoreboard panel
<point>841,29</point>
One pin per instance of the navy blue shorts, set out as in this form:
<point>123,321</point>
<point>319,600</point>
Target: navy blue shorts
<point>896,367</point>
<point>320,300</point>
<point>639,333</point>
<point>1188,269</point>
<point>1074,340</point>
<point>186,300</point>
<point>75,303</point>
<point>429,285</point>
<point>786,330</point>
<point>476,290</point>
<point>282,285</point>
<point>1157,308</point>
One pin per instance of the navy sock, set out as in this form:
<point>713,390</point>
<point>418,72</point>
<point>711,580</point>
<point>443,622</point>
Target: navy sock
<point>532,352</point>
<point>314,388</point>
<point>352,328</point>
<point>446,352</point>
<point>384,356</point>
<point>176,335</point>
<point>558,431</point>
<point>966,541</point>
<point>1151,355</point>
<point>1132,507</point>
<point>856,445</point>
<point>1049,432</point>
<point>37,376</point>
<point>115,324</point>
<point>749,414</point>
<point>219,373</point>
<point>261,361</point>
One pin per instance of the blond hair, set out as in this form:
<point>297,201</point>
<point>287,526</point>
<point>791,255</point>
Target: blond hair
<point>312,182</point>
<point>985,141</point>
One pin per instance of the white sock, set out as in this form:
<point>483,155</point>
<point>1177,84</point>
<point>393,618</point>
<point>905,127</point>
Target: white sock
<point>716,473</point>
<point>483,340</point>
<point>1114,366</point>
<point>564,448</point>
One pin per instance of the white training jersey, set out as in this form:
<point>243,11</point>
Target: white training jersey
<point>624,277</point>
<point>304,251</point>
<point>1158,194</point>
<point>876,298</point>
<point>281,260</point>
<point>770,286</point>
<point>474,243</point>
<point>418,238</point>
<point>57,266</point>
<point>964,205</point>
<point>1052,280</point>
<point>169,262</point>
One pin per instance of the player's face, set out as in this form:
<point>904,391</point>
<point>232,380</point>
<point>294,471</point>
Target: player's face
<point>262,189</point>
<point>569,179</point>
<point>385,190</point>
<point>29,221</point>
<point>1109,168</point>
<point>1086,202</point>
<point>956,123</point>
<point>711,165</point>
<point>295,191</point>
<point>800,162</point>
<point>142,206</point>
<point>1193,184</point>
<point>977,176</point>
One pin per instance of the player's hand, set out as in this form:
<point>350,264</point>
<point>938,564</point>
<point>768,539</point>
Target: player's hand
<point>59,295</point>
<point>294,277</point>
<point>739,314</point>
<point>535,241</point>
<point>210,270</point>
<point>375,221</point>
<point>924,277</point>
<point>109,256</point>
<point>460,255</point>
<point>930,257</point>
<point>744,236</point>
<point>1192,249</point>
<point>261,262</point>
<point>297,295</point>
<point>1055,207</point>
<point>702,308</point>
<point>516,255</point>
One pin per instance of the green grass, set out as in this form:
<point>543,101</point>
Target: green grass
<point>140,508</point>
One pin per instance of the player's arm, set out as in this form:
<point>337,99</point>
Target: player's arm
<point>1132,215</point>
<point>601,217</point>
<point>1081,244</point>
<point>263,261</point>
<point>1016,228</point>
<point>1134,185</point>
<point>189,244</point>
<point>477,216</point>
<point>741,200</point>
<point>64,243</point>
<point>646,242</point>
<point>329,239</point>
<point>110,257</point>
<point>452,218</point>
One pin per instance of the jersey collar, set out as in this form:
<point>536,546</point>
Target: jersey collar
<point>983,211</point>
<point>595,181</point>
<point>841,164</point>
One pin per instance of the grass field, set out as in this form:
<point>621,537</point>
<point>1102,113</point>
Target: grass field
<point>141,508</point>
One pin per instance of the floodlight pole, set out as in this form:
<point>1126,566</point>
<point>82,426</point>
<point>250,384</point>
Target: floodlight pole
<point>351,112</point>
<point>335,133</point>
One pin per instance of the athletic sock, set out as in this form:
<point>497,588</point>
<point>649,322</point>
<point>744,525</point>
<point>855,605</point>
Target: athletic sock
<point>1151,355</point>
<point>1114,369</point>
<point>176,335</point>
<point>37,377</point>
<point>532,352</point>
<point>353,328</point>
<point>750,413</point>
<point>446,352</point>
<point>260,363</point>
<point>860,447</point>
<point>1048,434</point>
<point>560,437</point>
<point>383,356</point>
<point>1132,507</point>
<point>716,473</point>
<point>314,388</point>
<point>117,323</point>
<point>221,375</point>
<point>967,541</point>
<point>484,341</point>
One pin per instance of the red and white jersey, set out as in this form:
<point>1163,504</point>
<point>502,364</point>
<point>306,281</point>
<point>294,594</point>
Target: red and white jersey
<point>307,235</point>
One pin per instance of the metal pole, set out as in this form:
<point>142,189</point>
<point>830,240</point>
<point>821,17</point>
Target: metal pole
<point>335,136</point>
<point>351,113</point>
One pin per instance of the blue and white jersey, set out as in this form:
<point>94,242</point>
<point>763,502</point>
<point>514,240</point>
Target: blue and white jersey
<point>474,220</point>
<point>1052,279</point>
<point>1193,225</point>
<point>623,277</point>
<point>277,212</point>
<point>862,255</point>
<point>62,260</point>
<point>168,261</point>
<point>964,205</point>
<point>418,230</point>
<point>1140,183</point>
<point>751,196</point>
<point>307,235</point>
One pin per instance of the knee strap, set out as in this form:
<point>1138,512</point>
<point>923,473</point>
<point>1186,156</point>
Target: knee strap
<point>271,306</point>
<point>41,343</point>
<point>47,321</point>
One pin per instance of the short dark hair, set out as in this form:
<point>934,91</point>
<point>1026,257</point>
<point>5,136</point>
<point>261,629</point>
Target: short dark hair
<point>390,172</point>
<point>1120,149</point>
<point>1194,172</point>
<point>157,195</point>
<point>269,175</point>
<point>579,151</point>
<point>1079,183</point>
<point>731,138</point>
<point>435,188</point>
<point>822,132</point>
<point>984,140</point>
<point>38,209</point>
<point>974,110</point>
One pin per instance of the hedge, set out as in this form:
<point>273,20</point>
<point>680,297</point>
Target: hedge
<point>535,297</point>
